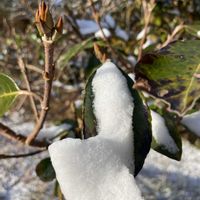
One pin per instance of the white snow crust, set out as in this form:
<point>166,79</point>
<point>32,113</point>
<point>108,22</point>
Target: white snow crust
<point>192,122</point>
<point>109,21</point>
<point>98,168</point>
<point>87,26</point>
<point>161,134</point>
<point>99,33</point>
<point>121,34</point>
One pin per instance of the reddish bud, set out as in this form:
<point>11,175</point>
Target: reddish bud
<point>59,25</point>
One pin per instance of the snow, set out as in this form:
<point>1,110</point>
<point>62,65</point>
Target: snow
<point>99,33</point>
<point>160,178</point>
<point>91,169</point>
<point>98,168</point>
<point>161,134</point>
<point>87,26</point>
<point>132,76</point>
<point>109,21</point>
<point>198,33</point>
<point>132,60</point>
<point>148,43</point>
<point>192,122</point>
<point>164,178</point>
<point>121,34</point>
<point>48,131</point>
<point>140,35</point>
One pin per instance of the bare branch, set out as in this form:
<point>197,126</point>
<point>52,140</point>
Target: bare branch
<point>27,82</point>
<point>147,10</point>
<point>97,19</point>
<point>5,156</point>
<point>10,134</point>
<point>48,79</point>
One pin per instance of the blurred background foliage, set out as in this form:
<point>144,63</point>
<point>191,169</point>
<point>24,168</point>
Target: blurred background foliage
<point>74,54</point>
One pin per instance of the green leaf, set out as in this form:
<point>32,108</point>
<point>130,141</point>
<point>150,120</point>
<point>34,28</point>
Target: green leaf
<point>193,29</point>
<point>172,74</point>
<point>93,63</point>
<point>89,119</point>
<point>141,122</point>
<point>141,127</point>
<point>77,48</point>
<point>8,92</point>
<point>172,125</point>
<point>45,170</point>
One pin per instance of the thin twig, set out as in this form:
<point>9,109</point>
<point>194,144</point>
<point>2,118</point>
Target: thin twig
<point>97,19</point>
<point>10,134</point>
<point>147,10</point>
<point>171,37</point>
<point>48,79</point>
<point>72,22</point>
<point>25,92</point>
<point>34,68</point>
<point>27,82</point>
<point>6,156</point>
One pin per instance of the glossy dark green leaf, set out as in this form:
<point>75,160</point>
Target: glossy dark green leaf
<point>8,92</point>
<point>171,124</point>
<point>141,127</point>
<point>89,119</point>
<point>172,74</point>
<point>45,170</point>
<point>141,122</point>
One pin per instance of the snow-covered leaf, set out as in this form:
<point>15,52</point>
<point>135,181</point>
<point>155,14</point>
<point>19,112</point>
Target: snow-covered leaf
<point>101,33</point>
<point>192,122</point>
<point>172,74</point>
<point>121,33</point>
<point>45,170</point>
<point>109,21</point>
<point>141,124</point>
<point>92,170</point>
<point>102,167</point>
<point>8,93</point>
<point>166,139</point>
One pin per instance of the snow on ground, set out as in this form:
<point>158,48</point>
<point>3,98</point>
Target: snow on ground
<point>161,178</point>
<point>191,121</point>
<point>18,180</point>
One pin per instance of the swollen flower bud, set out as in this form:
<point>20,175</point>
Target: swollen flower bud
<point>44,20</point>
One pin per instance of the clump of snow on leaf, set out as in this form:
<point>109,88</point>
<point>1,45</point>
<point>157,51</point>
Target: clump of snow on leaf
<point>161,133</point>
<point>109,21</point>
<point>98,168</point>
<point>101,33</point>
<point>192,122</point>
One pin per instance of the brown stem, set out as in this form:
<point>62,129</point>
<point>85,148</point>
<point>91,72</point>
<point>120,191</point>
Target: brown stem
<point>72,22</point>
<point>26,79</point>
<point>97,19</point>
<point>48,78</point>
<point>10,134</point>
<point>5,156</point>
<point>171,37</point>
<point>147,9</point>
